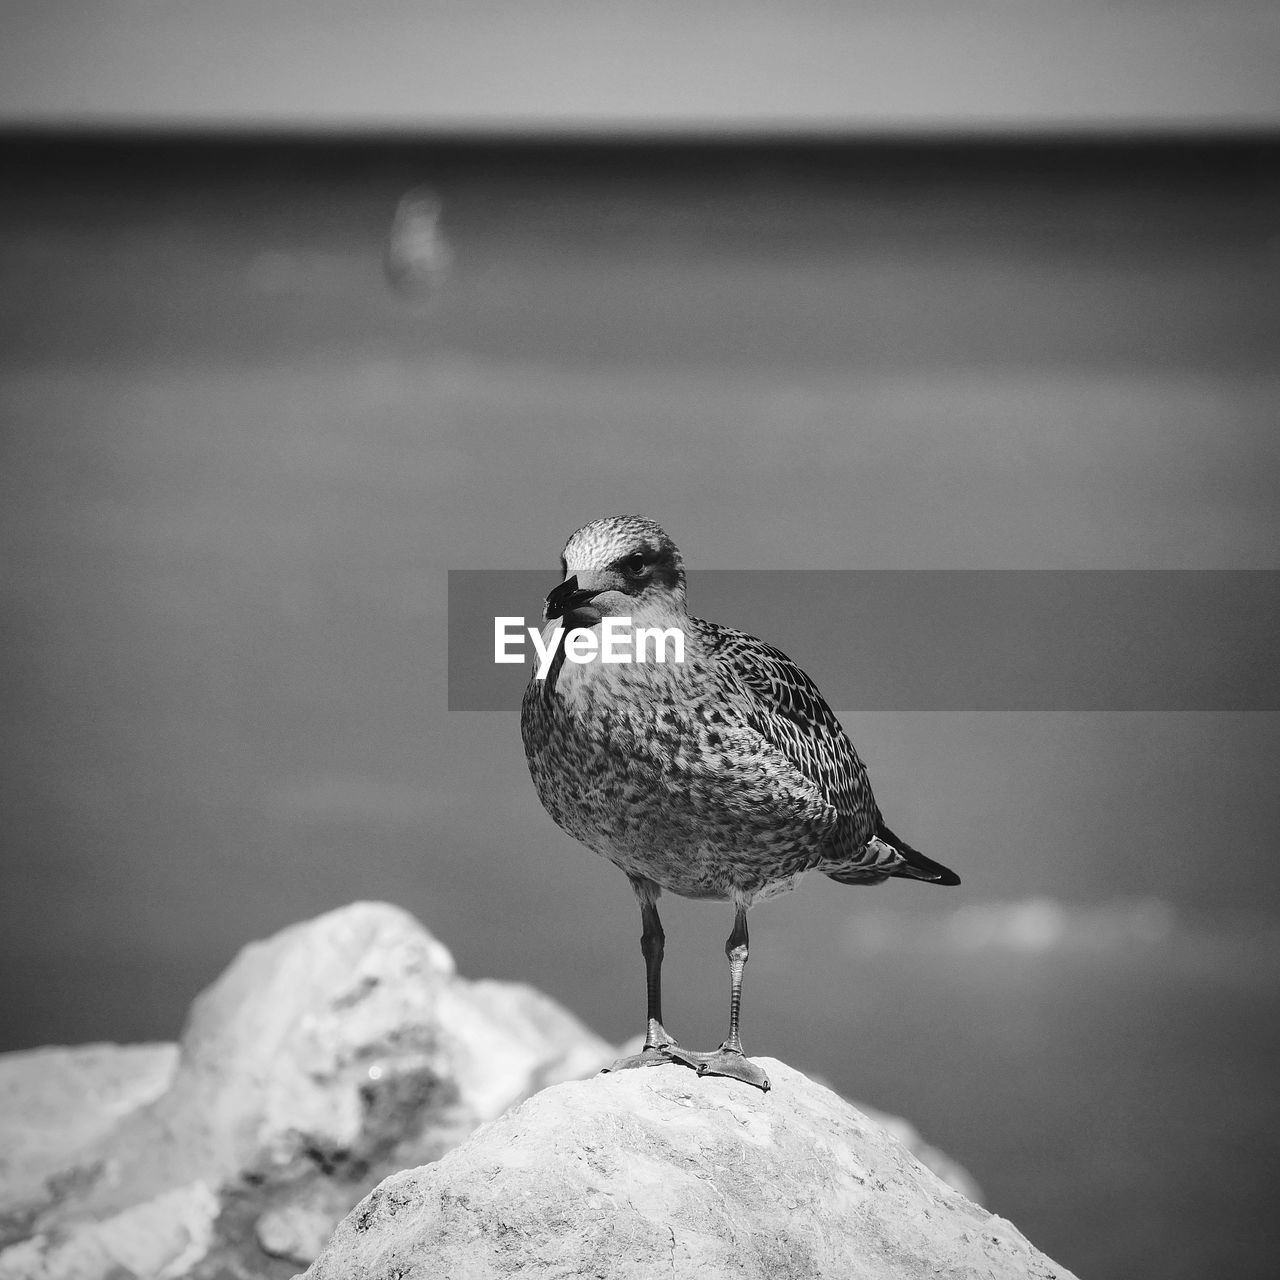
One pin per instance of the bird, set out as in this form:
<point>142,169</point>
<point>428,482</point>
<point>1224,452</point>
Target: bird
<point>724,776</point>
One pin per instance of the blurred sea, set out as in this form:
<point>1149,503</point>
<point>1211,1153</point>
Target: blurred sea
<point>236,464</point>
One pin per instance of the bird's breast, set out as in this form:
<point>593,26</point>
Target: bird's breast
<point>645,768</point>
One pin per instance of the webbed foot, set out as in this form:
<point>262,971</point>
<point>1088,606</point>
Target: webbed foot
<point>734,1064</point>
<point>654,1055</point>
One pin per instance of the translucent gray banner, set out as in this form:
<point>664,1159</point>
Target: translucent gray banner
<point>948,640</point>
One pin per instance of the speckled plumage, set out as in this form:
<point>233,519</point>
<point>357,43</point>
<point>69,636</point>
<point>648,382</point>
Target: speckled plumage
<point>723,776</point>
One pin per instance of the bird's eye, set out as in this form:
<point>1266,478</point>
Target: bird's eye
<point>634,564</point>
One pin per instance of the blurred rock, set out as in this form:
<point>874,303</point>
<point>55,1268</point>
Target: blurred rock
<point>54,1103</point>
<point>297,1230</point>
<point>163,1237</point>
<point>323,1059</point>
<point>660,1172</point>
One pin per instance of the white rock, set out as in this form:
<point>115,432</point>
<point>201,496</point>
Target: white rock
<point>324,1058</point>
<point>296,1232</point>
<point>54,1102</point>
<point>161,1239</point>
<point>346,1048</point>
<point>660,1172</point>
<point>951,1171</point>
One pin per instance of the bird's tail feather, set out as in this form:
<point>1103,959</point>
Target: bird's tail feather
<point>916,866</point>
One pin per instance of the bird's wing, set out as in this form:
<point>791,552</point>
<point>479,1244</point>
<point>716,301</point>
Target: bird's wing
<point>781,703</point>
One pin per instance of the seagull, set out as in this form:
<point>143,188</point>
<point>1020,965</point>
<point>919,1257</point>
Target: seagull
<point>723,776</point>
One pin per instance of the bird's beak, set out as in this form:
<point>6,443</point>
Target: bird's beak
<point>565,598</point>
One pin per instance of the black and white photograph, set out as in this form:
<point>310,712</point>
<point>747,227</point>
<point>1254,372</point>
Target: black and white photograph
<point>639,640</point>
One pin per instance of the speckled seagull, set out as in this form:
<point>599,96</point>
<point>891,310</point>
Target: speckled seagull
<point>723,776</point>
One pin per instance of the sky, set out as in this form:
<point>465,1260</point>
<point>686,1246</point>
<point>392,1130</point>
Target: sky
<point>664,66</point>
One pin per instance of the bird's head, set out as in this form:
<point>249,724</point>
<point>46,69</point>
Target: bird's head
<point>619,567</point>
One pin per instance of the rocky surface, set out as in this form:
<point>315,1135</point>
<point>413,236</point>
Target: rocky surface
<point>952,1172</point>
<point>346,1049</point>
<point>56,1102</point>
<point>335,1053</point>
<point>659,1172</point>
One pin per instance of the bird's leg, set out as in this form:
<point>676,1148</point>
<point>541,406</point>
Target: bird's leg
<point>659,1046</point>
<point>652,946</point>
<point>729,1059</point>
<point>736,948</point>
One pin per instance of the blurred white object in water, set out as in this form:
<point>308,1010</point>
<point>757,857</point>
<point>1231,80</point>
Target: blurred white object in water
<point>418,255</point>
